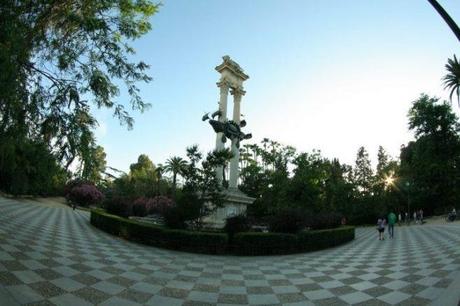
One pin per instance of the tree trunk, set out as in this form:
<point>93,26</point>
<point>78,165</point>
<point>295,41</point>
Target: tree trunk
<point>450,22</point>
<point>174,185</point>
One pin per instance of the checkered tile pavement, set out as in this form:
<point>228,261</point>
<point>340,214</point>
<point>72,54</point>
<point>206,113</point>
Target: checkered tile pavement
<point>53,256</point>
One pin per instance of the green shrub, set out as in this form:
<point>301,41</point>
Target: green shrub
<point>139,209</point>
<point>253,243</point>
<point>278,243</point>
<point>288,220</point>
<point>199,242</point>
<point>120,206</point>
<point>236,224</point>
<point>187,209</point>
<point>324,220</point>
<point>321,239</point>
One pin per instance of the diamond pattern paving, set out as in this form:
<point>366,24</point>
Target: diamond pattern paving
<point>51,255</point>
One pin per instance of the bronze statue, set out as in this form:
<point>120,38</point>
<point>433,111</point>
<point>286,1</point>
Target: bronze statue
<point>229,128</point>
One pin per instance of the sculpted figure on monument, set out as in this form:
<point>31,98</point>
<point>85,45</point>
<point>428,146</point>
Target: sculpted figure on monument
<point>230,129</point>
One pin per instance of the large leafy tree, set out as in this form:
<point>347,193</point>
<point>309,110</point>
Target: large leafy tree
<point>385,190</point>
<point>383,161</point>
<point>430,164</point>
<point>143,165</point>
<point>201,192</point>
<point>144,179</point>
<point>338,192</point>
<point>362,172</point>
<point>94,165</point>
<point>60,59</point>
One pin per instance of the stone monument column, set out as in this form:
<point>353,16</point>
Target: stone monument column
<point>232,77</point>
<point>234,163</point>
<point>224,88</point>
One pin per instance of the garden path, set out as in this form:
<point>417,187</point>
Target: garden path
<point>51,255</point>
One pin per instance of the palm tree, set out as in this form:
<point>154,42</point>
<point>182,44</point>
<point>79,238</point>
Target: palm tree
<point>194,154</point>
<point>255,150</point>
<point>158,173</point>
<point>175,165</point>
<point>452,78</point>
<point>265,142</point>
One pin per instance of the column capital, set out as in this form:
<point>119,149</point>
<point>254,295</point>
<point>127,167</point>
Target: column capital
<point>223,84</point>
<point>238,91</point>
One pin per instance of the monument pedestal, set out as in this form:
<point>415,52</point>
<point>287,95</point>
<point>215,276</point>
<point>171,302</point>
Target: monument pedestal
<point>235,203</point>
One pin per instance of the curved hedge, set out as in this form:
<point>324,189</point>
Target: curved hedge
<point>246,243</point>
<point>277,243</point>
<point>200,242</point>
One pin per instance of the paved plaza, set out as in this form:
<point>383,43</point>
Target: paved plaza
<point>51,255</point>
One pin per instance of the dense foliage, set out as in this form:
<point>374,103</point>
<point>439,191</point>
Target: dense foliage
<point>85,195</point>
<point>429,165</point>
<point>147,190</point>
<point>28,167</point>
<point>425,177</point>
<point>236,224</point>
<point>58,60</point>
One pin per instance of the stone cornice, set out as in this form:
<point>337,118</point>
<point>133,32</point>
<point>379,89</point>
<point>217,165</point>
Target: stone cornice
<point>233,67</point>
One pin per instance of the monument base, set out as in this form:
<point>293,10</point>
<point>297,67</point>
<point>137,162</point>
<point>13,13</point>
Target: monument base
<point>235,203</point>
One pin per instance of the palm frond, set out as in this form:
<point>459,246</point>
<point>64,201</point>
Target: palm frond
<point>451,80</point>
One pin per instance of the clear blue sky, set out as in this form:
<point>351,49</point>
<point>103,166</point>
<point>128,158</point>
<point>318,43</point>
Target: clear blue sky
<point>327,75</point>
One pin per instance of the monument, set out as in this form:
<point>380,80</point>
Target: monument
<point>231,80</point>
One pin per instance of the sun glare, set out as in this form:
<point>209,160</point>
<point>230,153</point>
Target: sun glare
<point>389,180</point>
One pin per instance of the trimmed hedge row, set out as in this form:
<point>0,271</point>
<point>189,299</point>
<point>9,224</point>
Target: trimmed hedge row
<point>321,239</point>
<point>254,243</point>
<point>277,243</point>
<point>199,242</point>
<point>247,243</point>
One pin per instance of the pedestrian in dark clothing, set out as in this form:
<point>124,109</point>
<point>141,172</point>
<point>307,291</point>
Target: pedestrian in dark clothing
<point>381,228</point>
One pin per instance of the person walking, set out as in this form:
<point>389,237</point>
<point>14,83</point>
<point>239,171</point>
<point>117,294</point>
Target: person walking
<point>381,228</point>
<point>399,218</point>
<point>415,217</point>
<point>391,224</point>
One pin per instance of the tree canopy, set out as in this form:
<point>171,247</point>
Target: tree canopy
<point>430,163</point>
<point>60,60</point>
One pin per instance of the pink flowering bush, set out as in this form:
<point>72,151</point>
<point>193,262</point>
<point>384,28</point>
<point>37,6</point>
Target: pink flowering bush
<point>139,207</point>
<point>157,205</point>
<point>160,204</point>
<point>85,195</point>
